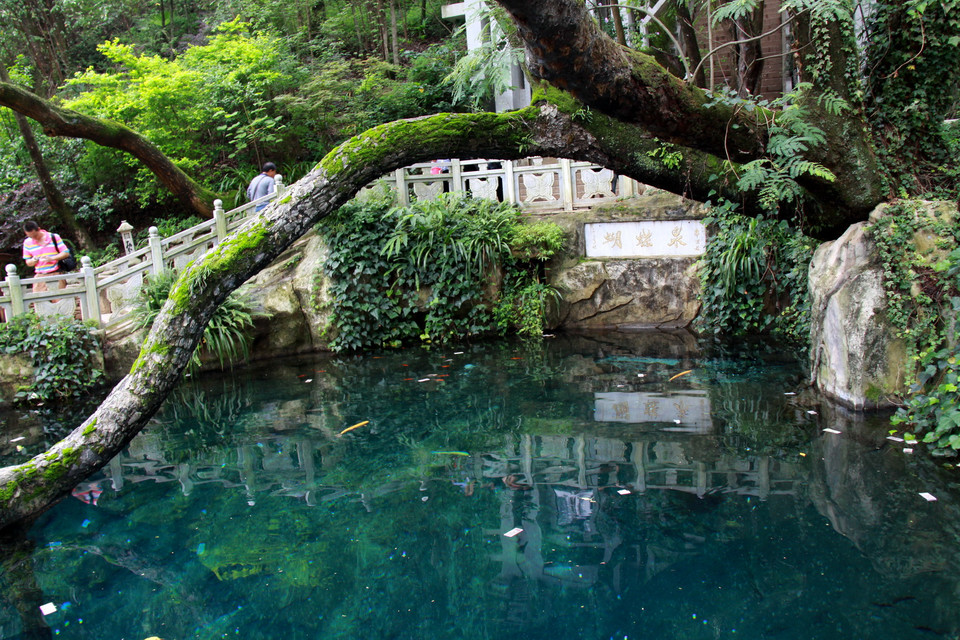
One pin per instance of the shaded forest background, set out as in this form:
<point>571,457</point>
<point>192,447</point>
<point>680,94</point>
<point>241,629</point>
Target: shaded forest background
<point>220,87</point>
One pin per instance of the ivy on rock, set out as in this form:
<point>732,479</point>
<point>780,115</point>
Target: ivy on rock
<point>433,271</point>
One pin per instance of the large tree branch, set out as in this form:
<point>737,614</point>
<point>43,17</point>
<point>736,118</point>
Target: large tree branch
<point>29,488</point>
<point>57,121</point>
<point>566,48</point>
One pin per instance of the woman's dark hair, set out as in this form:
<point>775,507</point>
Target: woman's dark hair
<point>30,225</point>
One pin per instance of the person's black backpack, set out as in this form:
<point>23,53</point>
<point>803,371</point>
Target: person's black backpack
<point>69,263</point>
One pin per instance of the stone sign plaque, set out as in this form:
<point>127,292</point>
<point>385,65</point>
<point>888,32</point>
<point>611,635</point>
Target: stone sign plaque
<point>680,411</point>
<point>645,239</point>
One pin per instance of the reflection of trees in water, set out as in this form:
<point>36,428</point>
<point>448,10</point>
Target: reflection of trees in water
<point>387,489</point>
<point>20,595</point>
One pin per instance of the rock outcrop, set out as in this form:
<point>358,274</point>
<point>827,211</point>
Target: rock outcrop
<point>856,357</point>
<point>625,293</point>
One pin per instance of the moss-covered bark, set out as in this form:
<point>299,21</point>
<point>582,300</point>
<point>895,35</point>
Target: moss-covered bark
<point>566,48</point>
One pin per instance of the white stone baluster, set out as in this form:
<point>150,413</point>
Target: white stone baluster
<point>16,291</point>
<point>156,251</point>
<point>91,307</point>
<point>219,221</point>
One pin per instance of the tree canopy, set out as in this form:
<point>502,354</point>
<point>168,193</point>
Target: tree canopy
<point>860,127</point>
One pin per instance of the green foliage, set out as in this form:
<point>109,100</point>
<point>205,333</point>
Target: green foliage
<point>541,240</point>
<point>523,304</point>
<point>913,55</point>
<point>923,301</point>
<point>483,73</point>
<point>791,134</point>
<point>212,102</point>
<point>421,271</point>
<point>62,352</point>
<point>227,336</point>
<point>670,155</point>
<point>754,276</point>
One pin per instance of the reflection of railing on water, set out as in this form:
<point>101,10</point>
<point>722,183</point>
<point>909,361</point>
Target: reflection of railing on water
<point>105,294</point>
<point>289,466</point>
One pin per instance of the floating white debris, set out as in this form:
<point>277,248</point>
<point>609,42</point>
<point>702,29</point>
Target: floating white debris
<point>676,420</point>
<point>929,497</point>
<point>424,380</point>
<point>911,442</point>
<point>895,438</point>
<point>908,450</point>
<point>18,439</point>
<point>641,375</point>
<point>512,532</point>
<point>790,393</point>
<point>47,609</point>
<point>812,412</point>
<point>624,492</point>
<point>829,430</point>
<point>458,353</point>
<point>308,380</point>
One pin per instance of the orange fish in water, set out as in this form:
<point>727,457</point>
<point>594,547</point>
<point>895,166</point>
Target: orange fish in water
<point>359,424</point>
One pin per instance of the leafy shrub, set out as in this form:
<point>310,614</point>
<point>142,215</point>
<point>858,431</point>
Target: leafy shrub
<point>427,271</point>
<point>61,351</point>
<point>923,302</point>
<point>227,336</point>
<point>754,276</point>
<point>541,240</point>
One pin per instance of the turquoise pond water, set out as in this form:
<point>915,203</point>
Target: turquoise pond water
<point>712,505</point>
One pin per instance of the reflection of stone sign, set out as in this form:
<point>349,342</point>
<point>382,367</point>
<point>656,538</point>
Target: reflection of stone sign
<point>668,238</point>
<point>688,410</point>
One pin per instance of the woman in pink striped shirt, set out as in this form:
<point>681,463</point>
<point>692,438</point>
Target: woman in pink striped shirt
<point>43,253</point>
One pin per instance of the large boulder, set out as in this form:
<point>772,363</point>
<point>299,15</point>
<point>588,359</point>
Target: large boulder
<point>628,294</point>
<point>16,371</point>
<point>291,301</point>
<point>856,356</point>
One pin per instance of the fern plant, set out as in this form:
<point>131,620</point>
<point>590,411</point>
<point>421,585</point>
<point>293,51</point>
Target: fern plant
<point>228,334</point>
<point>791,135</point>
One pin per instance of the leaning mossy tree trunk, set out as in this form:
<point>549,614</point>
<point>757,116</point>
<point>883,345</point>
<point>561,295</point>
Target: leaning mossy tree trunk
<point>625,104</point>
<point>567,48</point>
<point>542,129</point>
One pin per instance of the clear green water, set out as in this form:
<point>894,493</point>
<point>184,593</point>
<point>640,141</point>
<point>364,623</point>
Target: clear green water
<point>709,506</point>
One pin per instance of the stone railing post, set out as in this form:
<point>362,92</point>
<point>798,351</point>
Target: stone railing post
<point>156,251</point>
<point>16,291</point>
<point>567,183</point>
<point>403,197</point>
<point>219,220</point>
<point>126,237</point>
<point>456,181</point>
<point>509,184</point>
<point>278,181</point>
<point>90,291</point>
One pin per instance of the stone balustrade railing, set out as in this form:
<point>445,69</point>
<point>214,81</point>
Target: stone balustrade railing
<point>106,294</point>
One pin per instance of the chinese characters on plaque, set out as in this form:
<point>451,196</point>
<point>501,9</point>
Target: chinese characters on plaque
<point>688,410</point>
<point>649,238</point>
